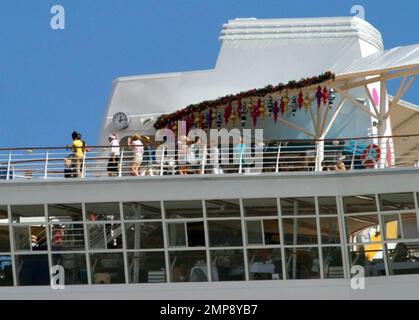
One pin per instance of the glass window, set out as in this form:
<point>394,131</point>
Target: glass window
<point>196,234</point>
<point>391,226</point>
<point>332,261</point>
<point>396,201</point>
<point>144,235</point>
<point>183,209</point>
<point>403,258</point>
<point>227,265</point>
<point>65,212</point>
<point>265,264</point>
<point>4,238</point>
<point>254,232</point>
<point>177,234</point>
<point>260,207</point>
<point>74,265</point>
<point>359,204</point>
<point>298,206</point>
<point>67,237</point>
<point>191,233</point>
<point>223,208</point>
<point>329,228</point>
<point>370,257</point>
<point>362,229</point>
<point>30,237</point>
<point>32,270</point>
<point>102,211</point>
<point>410,225</point>
<point>225,233</point>
<point>142,210</point>
<point>271,231</point>
<point>105,236</point>
<point>4,216</point>
<point>302,263</point>
<point>6,274</point>
<point>107,268</point>
<point>300,230</point>
<point>188,266</point>
<point>146,267</point>
<point>327,205</point>
<point>28,213</point>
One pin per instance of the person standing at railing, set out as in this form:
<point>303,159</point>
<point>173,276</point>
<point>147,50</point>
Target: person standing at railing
<point>240,151</point>
<point>77,148</point>
<point>137,148</point>
<point>114,155</point>
<point>149,155</point>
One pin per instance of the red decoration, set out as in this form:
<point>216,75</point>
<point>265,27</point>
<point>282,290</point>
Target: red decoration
<point>319,96</point>
<point>227,112</point>
<point>325,95</point>
<point>165,119</point>
<point>255,113</point>
<point>300,100</point>
<point>282,106</point>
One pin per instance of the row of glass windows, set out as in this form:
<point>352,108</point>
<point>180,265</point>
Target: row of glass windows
<point>149,235</point>
<point>192,266</point>
<point>185,266</point>
<point>214,208</point>
<point>367,232</point>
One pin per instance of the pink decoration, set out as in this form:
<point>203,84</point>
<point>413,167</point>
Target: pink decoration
<point>255,114</point>
<point>375,97</point>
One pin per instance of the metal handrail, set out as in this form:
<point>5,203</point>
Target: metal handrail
<point>49,163</point>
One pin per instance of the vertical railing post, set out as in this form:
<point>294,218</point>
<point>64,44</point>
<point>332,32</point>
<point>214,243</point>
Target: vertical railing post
<point>277,158</point>
<point>9,162</point>
<point>83,165</point>
<point>120,163</point>
<point>241,158</point>
<point>46,165</point>
<point>162,161</point>
<point>204,159</point>
<point>353,155</point>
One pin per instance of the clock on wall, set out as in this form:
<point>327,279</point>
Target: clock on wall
<point>120,121</point>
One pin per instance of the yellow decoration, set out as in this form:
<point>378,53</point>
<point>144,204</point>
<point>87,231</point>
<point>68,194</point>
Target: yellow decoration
<point>286,100</point>
<point>262,110</point>
<point>233,119</point>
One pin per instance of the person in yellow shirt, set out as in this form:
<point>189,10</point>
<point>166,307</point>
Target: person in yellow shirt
<point>77,148</point>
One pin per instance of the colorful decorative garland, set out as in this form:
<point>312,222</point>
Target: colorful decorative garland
<point>245,105</point>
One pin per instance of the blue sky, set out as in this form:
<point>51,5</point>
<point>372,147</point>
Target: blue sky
<point>54,82</point>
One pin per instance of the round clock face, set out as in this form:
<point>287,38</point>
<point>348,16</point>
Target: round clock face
<point>120,121</point>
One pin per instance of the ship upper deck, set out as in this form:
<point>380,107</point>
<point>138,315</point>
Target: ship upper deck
<point>197,158</point>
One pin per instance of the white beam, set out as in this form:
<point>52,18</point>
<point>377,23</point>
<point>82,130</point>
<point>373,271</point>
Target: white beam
<point>400,94</point>
<point>291,125</point>
<point>333,117</point>
<point>356,103</point>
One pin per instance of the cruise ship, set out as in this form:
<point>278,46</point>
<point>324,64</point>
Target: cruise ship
<point>324,205</point>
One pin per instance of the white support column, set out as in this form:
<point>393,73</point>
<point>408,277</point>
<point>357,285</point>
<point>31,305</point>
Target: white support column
<point>319,154</point>
<point>382,124</point>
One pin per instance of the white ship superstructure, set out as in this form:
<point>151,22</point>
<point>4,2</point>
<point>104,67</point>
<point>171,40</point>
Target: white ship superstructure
<point>286,228</point>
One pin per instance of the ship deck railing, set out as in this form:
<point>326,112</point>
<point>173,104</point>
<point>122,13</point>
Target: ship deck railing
<point>271,156</point>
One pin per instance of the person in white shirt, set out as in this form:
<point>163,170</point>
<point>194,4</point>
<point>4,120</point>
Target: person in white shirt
<point>114,155</point>
<point>137,148</point>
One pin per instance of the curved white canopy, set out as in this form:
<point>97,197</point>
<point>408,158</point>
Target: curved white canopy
<point>380,62</point>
